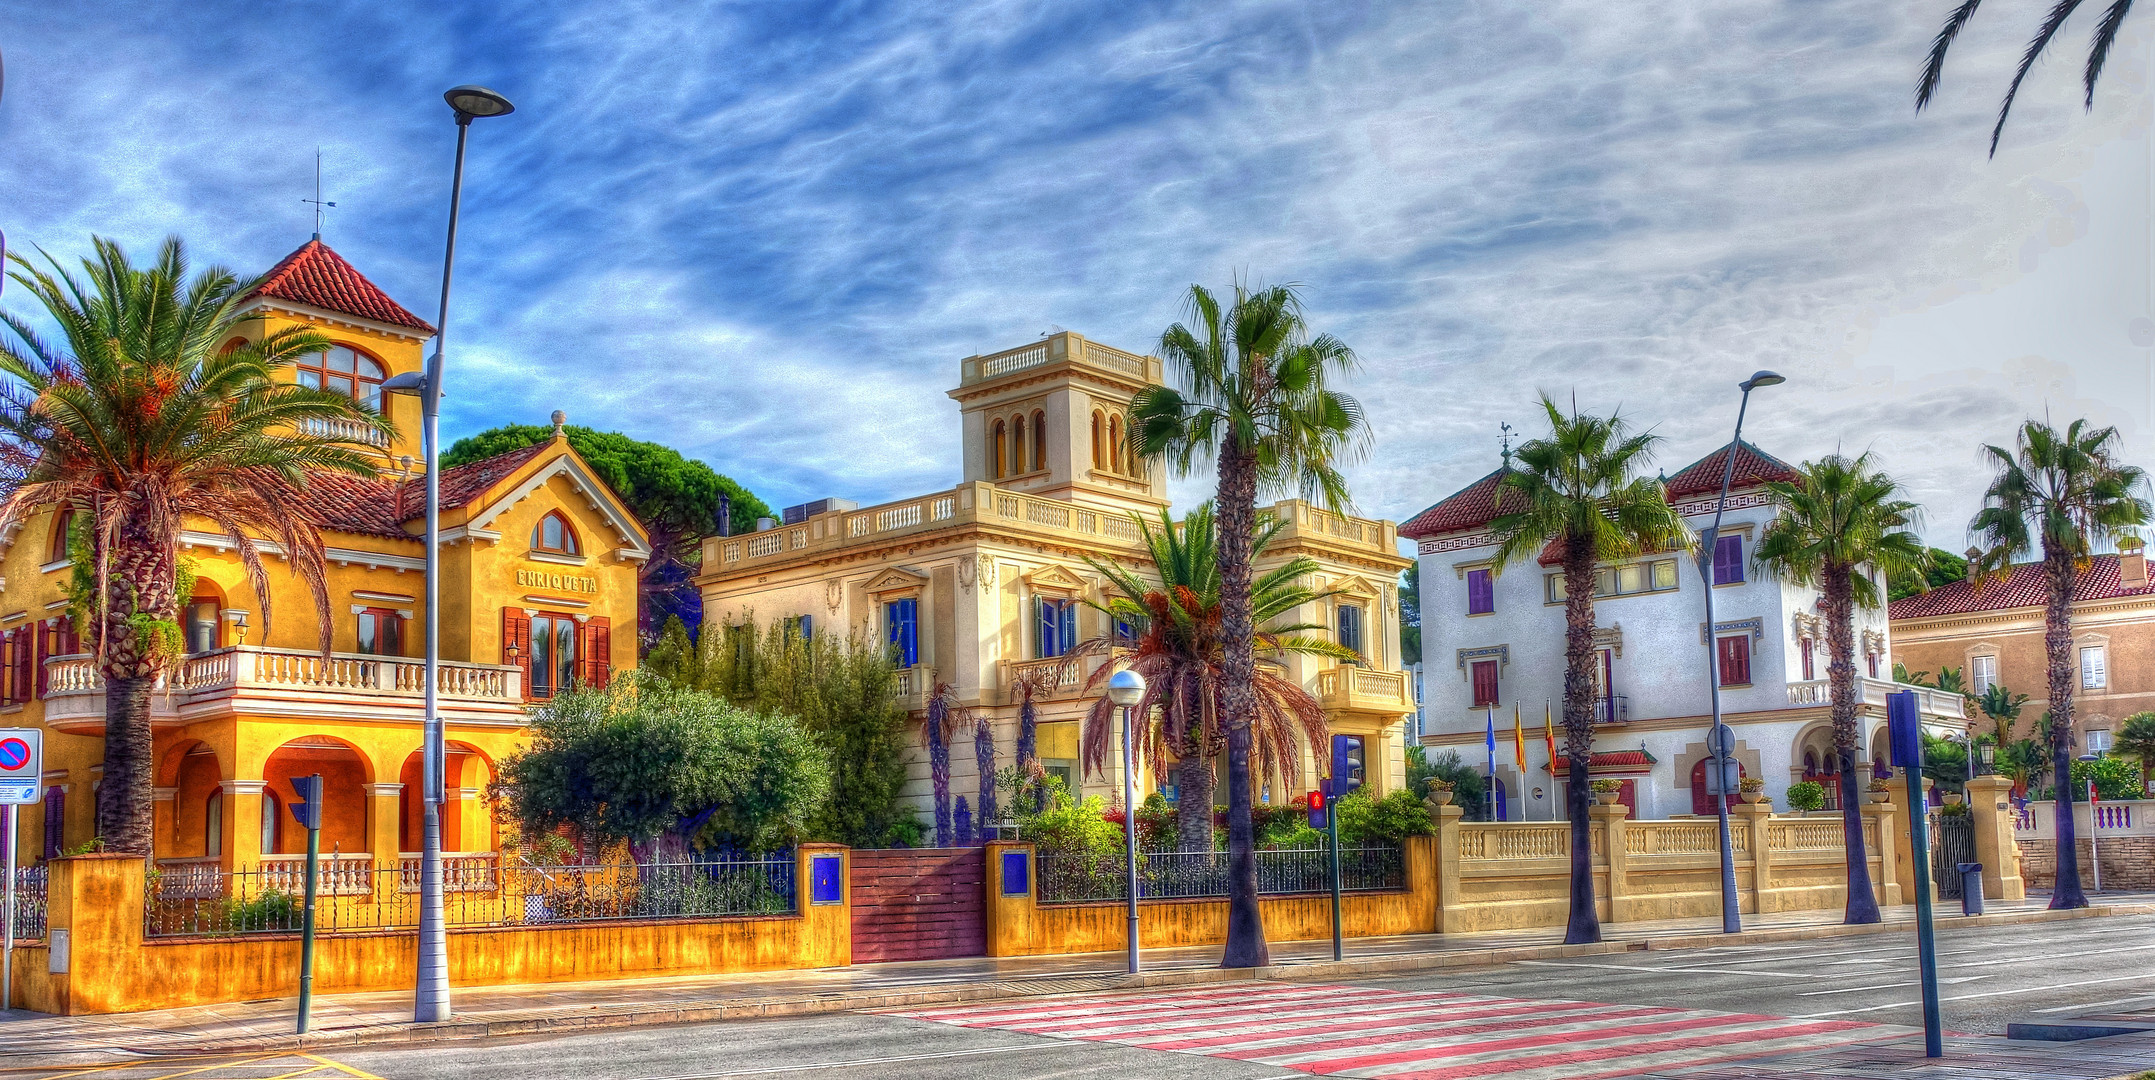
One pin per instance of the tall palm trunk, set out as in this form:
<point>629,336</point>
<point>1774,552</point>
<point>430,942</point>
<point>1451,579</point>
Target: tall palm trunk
<point>1585,924</point>
<point>140,584</point>
<point>939,769</point>
<point>1238,672</point>
<point>1862,903</point>
<point>2058,574</point>
<point>984,764</point>
<point>1028,749</point>
<point>1193,780</point>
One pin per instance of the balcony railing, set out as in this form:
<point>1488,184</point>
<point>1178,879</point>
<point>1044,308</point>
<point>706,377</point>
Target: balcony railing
<point>1934,703</point>
<point>1612,709</point>
<point>912,687</point>
<point>1055,348</point>
<point>1054,678</point>
<point>343,430</point>
<point>74,689</point>
<point>1352,688</point>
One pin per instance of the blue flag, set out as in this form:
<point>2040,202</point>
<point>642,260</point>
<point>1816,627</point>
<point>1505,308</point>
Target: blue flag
<point>1490,718</point>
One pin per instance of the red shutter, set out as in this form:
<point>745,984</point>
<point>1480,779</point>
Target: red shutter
<point>1735,656</point>
<point>516,642</point>
<point>25,660</point>
<point>598,652</point>
<point>44,649</point>
<point>1485,682</point>
<point>8,681</point>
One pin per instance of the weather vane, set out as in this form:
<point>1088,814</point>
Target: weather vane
<point>1507,429</point>
<point>317,200</point>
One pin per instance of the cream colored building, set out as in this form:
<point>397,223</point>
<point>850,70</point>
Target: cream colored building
<point>989,575</point>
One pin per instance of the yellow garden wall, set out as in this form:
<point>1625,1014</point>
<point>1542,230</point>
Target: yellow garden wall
<point>95,917</point>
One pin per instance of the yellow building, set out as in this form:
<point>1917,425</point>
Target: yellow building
<point>975,585</point>
<point>539,566</point>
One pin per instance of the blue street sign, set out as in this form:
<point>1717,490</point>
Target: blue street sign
<point>1904,728</point>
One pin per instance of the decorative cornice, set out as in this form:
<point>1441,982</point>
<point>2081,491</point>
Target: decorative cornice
<point>1502,653</point>
<point>1755,625</point>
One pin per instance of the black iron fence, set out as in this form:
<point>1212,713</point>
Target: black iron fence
<point>1166,875</point>
<point>29,902</point>
<point>354,895</point>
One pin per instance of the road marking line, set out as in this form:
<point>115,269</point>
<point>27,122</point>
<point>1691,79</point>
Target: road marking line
<point>1889,986</point>
<point>976,1052</point>
<point>2098,1006</point>
<point>1641,969</point>
<point>1985,994</point>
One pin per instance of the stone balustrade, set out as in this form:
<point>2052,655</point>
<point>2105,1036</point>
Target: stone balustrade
<point>1932,703</point>
<point>75,690</point>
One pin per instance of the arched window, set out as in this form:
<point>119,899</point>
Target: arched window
<point>272,813</point>
<point>553,533</point>
<point>213,824</point>
<point>1018,444</point>
<point>1040,440</point>
<point>344,370</point>
<point>235,343</point>
<point>1114,441</point>
<point>1099,449</point>
<point>61,522</point>
<point>1002,460</point>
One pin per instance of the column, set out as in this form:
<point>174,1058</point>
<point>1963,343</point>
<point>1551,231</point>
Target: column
<point>1451,915</point>
<point>1904,862</point>
<point>1879,819</point>
<point>1990,806</point>
<point>1753,822</point>
<point>242,824</point>
<point>165,832</point>
<point>1608,821</point>
<point>384,822</point>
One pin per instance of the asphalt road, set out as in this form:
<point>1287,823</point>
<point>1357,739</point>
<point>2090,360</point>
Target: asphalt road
<point>1990,977</point>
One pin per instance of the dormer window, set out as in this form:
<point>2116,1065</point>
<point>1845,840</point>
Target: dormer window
<point>554,535</point>
<point>344,370</point>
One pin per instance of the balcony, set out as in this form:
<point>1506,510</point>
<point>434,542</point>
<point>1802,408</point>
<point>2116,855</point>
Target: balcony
<point>913,686</point>
<point>343,430</point>
<point>1612,709</point>
<point>1933,704</point>
<point>1057,680</point>
<point>283,680</point>
<point>1055,349</point>
<point>1352,689</point>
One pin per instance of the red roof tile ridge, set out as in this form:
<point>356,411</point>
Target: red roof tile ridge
<point>317,276</point>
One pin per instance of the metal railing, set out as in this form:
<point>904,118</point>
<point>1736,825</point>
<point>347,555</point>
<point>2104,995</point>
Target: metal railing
<point>476,892</point>
<point>1612,709</point>
<point>29,902</point>
<point>1163,875</point>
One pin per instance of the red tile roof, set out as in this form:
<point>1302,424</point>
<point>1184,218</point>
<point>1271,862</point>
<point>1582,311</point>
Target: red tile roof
<point>1753,467</point>
<point>2022,588</point>
<point>318,277</point>
<point>349,504</point>
<point>1471,507</point>
<point>1608,761</point>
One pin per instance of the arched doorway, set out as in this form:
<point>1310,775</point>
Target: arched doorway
<point>467,823</point>
<point>345,777</point>
<point>1703,804</point>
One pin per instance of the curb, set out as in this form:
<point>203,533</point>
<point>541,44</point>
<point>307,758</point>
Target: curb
<point>988,990</point>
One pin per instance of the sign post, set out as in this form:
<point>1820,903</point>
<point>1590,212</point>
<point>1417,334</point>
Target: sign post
<point>307,809</point>
<point>1905,728</point>
<point>22,771</point>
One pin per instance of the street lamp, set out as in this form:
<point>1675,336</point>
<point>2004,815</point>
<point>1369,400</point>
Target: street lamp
<point>1125,688</point>
<point>430,1000</point>
<point>1720,739</point>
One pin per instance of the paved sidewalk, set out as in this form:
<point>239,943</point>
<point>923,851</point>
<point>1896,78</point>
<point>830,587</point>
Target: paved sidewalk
<point>511,1010</point>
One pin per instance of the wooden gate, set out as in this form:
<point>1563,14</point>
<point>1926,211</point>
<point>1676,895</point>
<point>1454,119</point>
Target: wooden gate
<point>919,904</point>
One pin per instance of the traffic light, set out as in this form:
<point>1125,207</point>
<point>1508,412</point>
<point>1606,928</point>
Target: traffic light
<point>308,807</point>
<point>1317,809</point>
<point>1347,765</point>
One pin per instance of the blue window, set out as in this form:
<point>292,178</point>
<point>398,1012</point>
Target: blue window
<point>1350,626</point>
<point>902,620</point>
<point>1054,627</point>
<point>1125,634</point>
<point>1728,560</point>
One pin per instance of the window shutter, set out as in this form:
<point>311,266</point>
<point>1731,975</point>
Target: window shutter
<point>1485,682</point>
<point>55,817</point>
<point>1735,655</point>
<point>8,682</point>
<point>43,634</point>
<point>2091,668</point>
<point>1481,595</point>
<point>1728,560</point>
<point>25,661</point>
<point>516,642</point>
<point>598,652</point>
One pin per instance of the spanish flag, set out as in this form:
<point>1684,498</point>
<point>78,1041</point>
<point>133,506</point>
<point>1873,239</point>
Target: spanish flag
<point>1518,740</point>
<point>1548,731</point>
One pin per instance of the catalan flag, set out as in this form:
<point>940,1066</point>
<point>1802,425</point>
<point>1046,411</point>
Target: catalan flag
<point>1518,740</point>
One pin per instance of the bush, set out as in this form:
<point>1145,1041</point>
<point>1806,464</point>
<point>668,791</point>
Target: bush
<point>1807,795</point>
<point>1390,820</point>
<point>1470,791</point>
<point>2115,778</point>
<point>271,909</point>
<point>1071,827</point>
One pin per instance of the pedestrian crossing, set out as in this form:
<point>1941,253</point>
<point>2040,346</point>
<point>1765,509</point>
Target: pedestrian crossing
<point>1408,1035</point>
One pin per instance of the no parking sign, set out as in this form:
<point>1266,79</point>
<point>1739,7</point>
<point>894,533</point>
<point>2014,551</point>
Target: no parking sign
<point>22,765</point>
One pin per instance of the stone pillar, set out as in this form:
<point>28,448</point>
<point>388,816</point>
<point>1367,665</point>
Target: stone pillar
<point>1451,912</point>
<point>242,824</point>
<point>1879,819</point>
<point>1608,825</point>
<point>164,814</point>
<point>1013,889</point>
<point>1750,822</point>
<point>384,822</point>
<point>1990,806</point>
<point>1905,870</point>
<point>92,960</point>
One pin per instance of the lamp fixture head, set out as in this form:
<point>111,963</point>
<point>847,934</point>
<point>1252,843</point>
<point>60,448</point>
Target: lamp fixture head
<point>1761,378</point>
<point>469,100</point>
<point>1125,687</point>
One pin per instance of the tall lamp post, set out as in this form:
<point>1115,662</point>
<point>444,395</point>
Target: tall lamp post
<point>1124,689</point>
<point>430,1000</point>
<point>1721,740</point>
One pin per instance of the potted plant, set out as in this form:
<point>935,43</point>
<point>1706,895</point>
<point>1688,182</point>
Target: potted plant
<point>1440,792</point>
<point>1952,798</point>
<point>1751,789</point>
<point>1607,791</point>
<point>1881,790</point>
<point>1806,796</point>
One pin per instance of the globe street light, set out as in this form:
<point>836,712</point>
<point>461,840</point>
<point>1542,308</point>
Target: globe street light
<point>1125,689</point>
<point>430,1001</point>
<point>1720,739</point>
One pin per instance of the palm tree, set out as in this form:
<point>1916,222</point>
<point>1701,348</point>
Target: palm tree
<point>1170,633</point>
<point>946,716</point>
<point>1580,489</point>
<point>2057,493</point>
<point>2106,35</point>
<point>1259,405</point>
<point>2136,737</point>
<point>1028,687</point>
<point>1841,516</point>
<point>141,419</point>
<point>2003,707</point>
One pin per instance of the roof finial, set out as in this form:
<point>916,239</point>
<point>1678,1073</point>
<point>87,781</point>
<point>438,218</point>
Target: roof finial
<point>1507,430</point>
<point>560,419</point>
<point>317,200</point>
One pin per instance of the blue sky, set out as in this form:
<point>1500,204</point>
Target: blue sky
<point>766,232</point>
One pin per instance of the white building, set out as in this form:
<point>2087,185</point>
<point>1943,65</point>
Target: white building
<point>1493,643</point>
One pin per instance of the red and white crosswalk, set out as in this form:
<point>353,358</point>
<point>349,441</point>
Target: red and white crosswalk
<point>1359,1031</point>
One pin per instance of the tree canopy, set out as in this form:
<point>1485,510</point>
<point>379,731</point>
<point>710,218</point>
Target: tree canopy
<point>676,497</point>
<point>1945,568</point>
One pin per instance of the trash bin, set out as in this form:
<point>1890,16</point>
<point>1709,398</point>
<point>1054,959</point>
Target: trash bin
<point>1971,887</point>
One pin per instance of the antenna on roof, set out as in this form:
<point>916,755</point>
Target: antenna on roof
<point>317,200</point>
<point>1506,442</point>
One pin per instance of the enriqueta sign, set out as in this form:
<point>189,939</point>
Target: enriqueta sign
<point>558,582</point>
